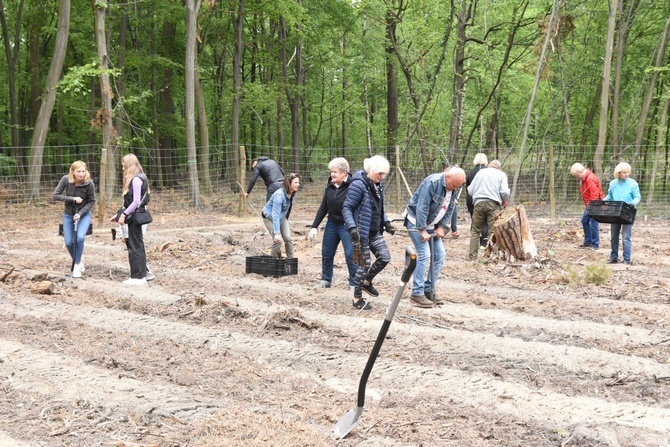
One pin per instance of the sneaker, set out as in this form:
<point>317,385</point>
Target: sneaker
<point>76,271</point>
<point>362,304</point>
<point>455,234</point>
<point>431,296</point>
<point>613,261</point>
<point>325,285</point>
<point>352,288</point>
<point>82,269</point>
<point>584,246</point>
<point>369,289</point>
<point>420,301</point>
<point>150,276</point>
<point>135,282</point>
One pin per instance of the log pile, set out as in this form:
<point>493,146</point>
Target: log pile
<point>511,238</point>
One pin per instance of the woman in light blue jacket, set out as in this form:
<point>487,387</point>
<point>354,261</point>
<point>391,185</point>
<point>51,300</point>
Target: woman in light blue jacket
<point>626,190</point>
<point>276,213</point>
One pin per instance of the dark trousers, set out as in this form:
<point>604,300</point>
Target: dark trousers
<point>137,257</point>
<point>376,246</point>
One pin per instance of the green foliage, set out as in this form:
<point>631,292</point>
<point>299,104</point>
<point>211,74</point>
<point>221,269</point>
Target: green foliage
<point>596,274</point>
<point>7,166</point>
<point>77,80</point>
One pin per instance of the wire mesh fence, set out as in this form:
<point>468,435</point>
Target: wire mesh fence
<point>219,191</point>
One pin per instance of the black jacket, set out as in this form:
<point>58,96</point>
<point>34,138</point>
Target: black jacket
<point>268,170</point>
<point>468,179</point>
<point>331,204</point>
<point>66,192</point>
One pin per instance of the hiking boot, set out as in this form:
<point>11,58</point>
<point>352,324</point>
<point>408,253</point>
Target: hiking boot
<point>362,304</point>
<point>431,296</point>
<point>420,301</point>
<point>369,289</point>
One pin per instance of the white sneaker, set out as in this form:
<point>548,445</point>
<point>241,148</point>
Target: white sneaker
<point>81,267</point>
<point>135,282</point>
<point>150,276</point>
<point>325,285</point>
<point>76,272</point>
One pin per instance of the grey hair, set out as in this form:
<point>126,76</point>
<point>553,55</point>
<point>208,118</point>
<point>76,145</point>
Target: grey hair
<point>340,163</point>
<point>576,169</point>
<point>480,159</point>
<point>376,164</point>
<point>495,164</point>
<point>623,166</point>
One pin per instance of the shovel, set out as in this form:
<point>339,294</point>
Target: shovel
<point>350,420</point>
<point>74,256</point>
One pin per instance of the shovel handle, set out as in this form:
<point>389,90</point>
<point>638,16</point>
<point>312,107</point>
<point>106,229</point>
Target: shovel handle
<point>410,265</point>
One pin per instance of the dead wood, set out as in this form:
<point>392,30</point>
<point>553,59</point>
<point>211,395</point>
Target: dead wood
<point>512,239</point>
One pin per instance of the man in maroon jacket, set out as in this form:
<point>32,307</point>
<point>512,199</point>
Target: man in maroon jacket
<point>590,189</point>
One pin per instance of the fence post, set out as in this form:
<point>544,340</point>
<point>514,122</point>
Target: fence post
<point>398,186</point>
<point>102,187</point>
<point>552,192</point>
<point>243,167</point>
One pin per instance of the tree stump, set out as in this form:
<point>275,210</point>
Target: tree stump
<point>511,235</point>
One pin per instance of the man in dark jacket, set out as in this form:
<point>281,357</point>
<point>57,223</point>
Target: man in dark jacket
<point>271,173</point>
<point>364,217</point>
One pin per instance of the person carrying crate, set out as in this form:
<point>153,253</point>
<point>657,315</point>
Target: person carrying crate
<point>624,189</point>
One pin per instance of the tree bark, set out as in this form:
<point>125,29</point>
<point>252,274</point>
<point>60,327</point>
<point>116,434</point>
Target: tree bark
<point>238,22</point>
<point>529,109</point>
<point>48,99</point>
<point>192,7</point>
<point>660,143</point>
<point>604,95</point>
<point>649,95</point>
<point>512,238</point>
<point>103,117</point>
<point>12,54</point>
<point>203,127</point>
<point>392,120</point>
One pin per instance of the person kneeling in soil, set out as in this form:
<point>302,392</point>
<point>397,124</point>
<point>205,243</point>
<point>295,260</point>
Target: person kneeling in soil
<point>276,213</point>
<point>364,217</point>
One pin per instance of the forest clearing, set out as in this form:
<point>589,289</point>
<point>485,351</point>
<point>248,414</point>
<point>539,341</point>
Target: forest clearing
<point>522,354</point>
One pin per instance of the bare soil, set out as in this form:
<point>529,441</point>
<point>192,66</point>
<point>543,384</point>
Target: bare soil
<point>522,354</point>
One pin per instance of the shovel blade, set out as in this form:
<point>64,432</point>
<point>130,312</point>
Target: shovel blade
<point>348,422</point>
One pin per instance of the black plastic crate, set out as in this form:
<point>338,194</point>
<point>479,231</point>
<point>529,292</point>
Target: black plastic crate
<point>611,211</point>
<point>270,266</point>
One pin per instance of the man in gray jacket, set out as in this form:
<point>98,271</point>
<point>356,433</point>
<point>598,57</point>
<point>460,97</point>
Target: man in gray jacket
<point>490,194</point>
<point>271,173</point>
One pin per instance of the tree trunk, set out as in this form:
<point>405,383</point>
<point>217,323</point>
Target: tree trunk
<point>625,23</point>
<point>392,120</point>
<point>48,100</point>
<point>660,143</point>
<point>344,95</point>
<point>605,89</point>
<point>512,238</point>
<point>192,7</point>
<point>529,109</point>
<point>203,127</point>
<point>238,23</point>
<point>12,53</point>
<point>649,95</point>
<point>103,117</point>
<point>458,94</point>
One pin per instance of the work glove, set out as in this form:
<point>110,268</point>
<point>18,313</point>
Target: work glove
<point>312,233</point>
<point>355,236</point>
<point>390,229</point>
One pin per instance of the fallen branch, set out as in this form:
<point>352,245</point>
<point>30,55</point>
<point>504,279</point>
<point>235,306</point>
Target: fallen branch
<point>4,276</point>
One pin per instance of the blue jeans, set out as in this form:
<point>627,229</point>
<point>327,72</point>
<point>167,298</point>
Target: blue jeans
<point>591,231</point>
<point>332,235</point>
<point>68,234</point>
<point>423,274</point>
<point>627,231</point>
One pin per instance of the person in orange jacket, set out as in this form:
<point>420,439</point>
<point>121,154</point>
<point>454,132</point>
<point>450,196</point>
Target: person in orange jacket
<point>590,189</point>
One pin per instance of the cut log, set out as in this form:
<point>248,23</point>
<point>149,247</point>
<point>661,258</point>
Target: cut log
<point>512,238</point>
<point>43,288</point>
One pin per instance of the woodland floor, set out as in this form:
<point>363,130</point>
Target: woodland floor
<point>522,354</point>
